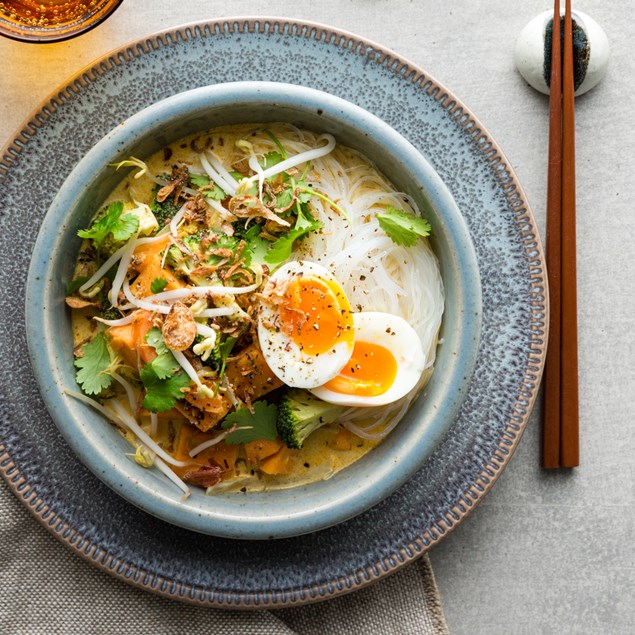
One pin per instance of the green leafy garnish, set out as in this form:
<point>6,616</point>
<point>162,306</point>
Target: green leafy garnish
<point>92,367</point>
<point>285,198</point>
<point>216,192</point>
<point>281,249</point>
<point>162,394</point>
<point>121,226</point>
<point>224,351</point>
<point>164,363</point>
<point>199,180</point>
<point>275,139</point>
<point>158,284</point>
<point>75,284</point>
<point>402,227</point>
<point>259,425</point>
<point>257,246</point>
<point>270,159</point>
<point>163,378</point>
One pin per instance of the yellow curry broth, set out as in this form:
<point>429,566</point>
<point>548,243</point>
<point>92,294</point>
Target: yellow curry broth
<point>326,451</point>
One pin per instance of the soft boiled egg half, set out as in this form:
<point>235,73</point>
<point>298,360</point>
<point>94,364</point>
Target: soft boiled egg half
<point>387,363</point>
<point>305,325</point>
<point>311,339</point>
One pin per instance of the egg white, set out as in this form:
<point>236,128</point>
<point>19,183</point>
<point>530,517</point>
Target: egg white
<point>287,361</point>
<point>395,334</point>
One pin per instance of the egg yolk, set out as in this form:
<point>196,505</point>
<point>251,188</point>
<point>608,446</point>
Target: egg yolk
<point>371,371</point>
<point>316,315</point>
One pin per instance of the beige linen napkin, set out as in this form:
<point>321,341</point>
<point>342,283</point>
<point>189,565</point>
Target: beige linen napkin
<point>47,589</point>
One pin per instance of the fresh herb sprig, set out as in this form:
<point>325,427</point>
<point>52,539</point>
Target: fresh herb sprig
<point>255,426</point>
<point>93,366</point>
<point>402,227</point>
<point>163,378</point>
<point>113,222</point>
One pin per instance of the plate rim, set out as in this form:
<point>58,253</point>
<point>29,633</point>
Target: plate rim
<point>526,394</point>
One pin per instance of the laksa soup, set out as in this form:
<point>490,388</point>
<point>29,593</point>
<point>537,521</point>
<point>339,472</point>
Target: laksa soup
<point>254,307</point>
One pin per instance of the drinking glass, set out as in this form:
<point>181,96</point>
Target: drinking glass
<point>52,20</point>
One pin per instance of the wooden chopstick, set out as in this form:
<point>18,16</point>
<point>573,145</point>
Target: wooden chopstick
<point>551,411</point>
<point>560,443</point>
<point>569,434</point>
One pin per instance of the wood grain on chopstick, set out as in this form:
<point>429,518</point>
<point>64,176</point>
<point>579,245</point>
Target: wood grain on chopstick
<point>569,443</point>
<point>560,445</point>
<point>551,412</point>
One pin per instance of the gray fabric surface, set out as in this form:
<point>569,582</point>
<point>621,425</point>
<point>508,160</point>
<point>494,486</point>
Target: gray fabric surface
<point>46,589</point>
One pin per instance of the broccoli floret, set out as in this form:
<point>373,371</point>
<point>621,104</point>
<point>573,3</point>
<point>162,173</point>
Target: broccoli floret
<point>300,413</point>
<point>165,210</point>
<point>184,261</point>
<point>110,313</point>
<point>192,252</point>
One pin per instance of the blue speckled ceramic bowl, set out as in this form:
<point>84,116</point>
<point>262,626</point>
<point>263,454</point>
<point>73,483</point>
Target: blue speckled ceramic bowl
<point>271,514</point>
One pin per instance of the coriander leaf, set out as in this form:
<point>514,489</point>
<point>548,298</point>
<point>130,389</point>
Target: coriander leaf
<point>199,180</point>
<point>224,350</point>
<point>162,393</point>
<point>155,339</point>
<point>158,285</point>
<point>402,227</point>
<point>285,198</point>
<point>215,192</point>
<point>261,424</point>
<point>281,249</point>
<point>125,228</point>
<point>162,378</point>
<point>275,139</point>
<point>164,363</point>
<point>111,222</point>
<point>92,366</point>
<point>304,192</point>
<point>257,246</point>
<point>305,222</point>
<point>270,159</point>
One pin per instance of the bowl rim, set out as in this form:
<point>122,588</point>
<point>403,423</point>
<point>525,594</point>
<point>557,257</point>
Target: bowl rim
<point>304,509</point>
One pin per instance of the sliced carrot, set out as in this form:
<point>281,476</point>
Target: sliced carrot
<point>218,403</point>
<point>129,339</point>
<point>185,442</point>
<point>189,437</point>
<point>212,409</point>
<point>282,462</point>
<point>224,454</point>
<point>149,251</point>
<point>343,440</point>
<point>141,287</point>
<point>148,260</point>
<point>257,451</point>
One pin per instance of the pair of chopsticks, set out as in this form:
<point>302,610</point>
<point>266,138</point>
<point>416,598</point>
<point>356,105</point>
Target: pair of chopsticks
<point>560,444</point>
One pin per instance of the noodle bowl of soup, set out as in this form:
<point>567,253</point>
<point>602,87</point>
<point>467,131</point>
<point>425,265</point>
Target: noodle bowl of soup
<point>271,314</point>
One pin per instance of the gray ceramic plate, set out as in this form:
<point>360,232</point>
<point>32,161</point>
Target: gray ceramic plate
<point>81,511</point>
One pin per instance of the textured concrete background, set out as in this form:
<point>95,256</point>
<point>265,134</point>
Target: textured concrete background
<point>546,552</point>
